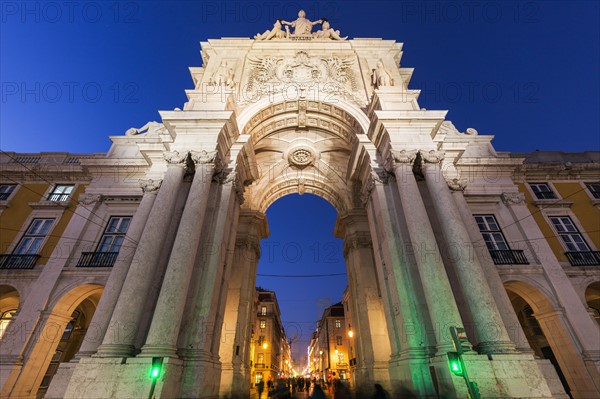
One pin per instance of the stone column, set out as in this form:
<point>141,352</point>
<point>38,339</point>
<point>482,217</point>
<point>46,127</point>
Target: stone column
<point>202,367</point>
<point>507,312</point>
<point>164,329</point>
<point>438,292</point>
<point>235,340</point>
<point>403,304</point>
<point>371,335</point>
<point>108,300</point>
<point>491,333</point>
<point>119,339</point>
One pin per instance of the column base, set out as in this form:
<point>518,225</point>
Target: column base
<point>495,347</point>
<point>201,376</point>
<point>112,378</point>
<point>158,351</point>
<point>115,350</point>
<point>504,376</point>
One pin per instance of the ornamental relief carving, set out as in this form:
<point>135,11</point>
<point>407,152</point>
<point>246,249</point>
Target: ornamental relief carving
<point>150,185</point>
<point>89,199</point>
<point>330,75</point>
<point>432,156</point>
<point>457,184</point>
<point>203,157</point>
<point>515,198</point>
<point>175,158</point>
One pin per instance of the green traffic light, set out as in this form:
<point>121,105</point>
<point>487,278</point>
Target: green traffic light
<point>154,372</point>
<point>455,363</point>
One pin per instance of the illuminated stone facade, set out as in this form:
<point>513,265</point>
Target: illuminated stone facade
<point>440,230</point>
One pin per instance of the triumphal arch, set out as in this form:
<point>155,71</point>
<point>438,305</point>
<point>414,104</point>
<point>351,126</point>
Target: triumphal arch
<point>301,109</point>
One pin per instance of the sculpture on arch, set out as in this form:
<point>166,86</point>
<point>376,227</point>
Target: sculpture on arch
<point>380,76</point>
<point>302,30</point>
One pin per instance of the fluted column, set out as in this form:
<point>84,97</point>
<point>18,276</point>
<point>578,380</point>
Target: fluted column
<point>164,329</point>
<point>489,327</point>
<point>438,292</point>
<point>125,321</point>
<point>118,273</point>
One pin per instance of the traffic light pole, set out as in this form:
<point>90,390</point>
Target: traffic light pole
<point>460,341</point>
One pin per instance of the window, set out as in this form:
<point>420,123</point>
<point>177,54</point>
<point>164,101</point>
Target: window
<point>5,320</point>
<point>260,359</point>
<point>594,189</point>
<point>341,359</point>
<point>338,340</point>
<point>338,324</point>
<point>542,191</point>
<point>61,192</point>
<point>569,234</point>
<point>263,310</point>
<point>34,236</point>
<point>6,190</point>
<point>496,243</point>
<point>263,324</point>
<point>492,235</point>
<point>114,234</point>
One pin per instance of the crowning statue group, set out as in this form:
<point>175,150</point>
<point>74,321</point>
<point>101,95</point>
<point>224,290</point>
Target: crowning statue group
<point>302,29</point>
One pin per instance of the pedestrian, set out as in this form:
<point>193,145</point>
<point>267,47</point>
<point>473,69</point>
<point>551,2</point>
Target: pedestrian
<point>260,388</point>
<point>318,393</point>
<point>380,393</point>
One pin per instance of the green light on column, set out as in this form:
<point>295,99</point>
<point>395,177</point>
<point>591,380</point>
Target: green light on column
<point>455,363</point>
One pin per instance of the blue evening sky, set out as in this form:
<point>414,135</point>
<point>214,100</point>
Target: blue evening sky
<point>73,73</point>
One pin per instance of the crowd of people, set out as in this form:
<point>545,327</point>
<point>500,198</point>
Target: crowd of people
<point>333,388</point>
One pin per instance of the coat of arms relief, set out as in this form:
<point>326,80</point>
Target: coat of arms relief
<point>305,75</point>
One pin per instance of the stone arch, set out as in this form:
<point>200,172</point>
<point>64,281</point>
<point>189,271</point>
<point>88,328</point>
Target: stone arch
<point>51,330</point>
<point>10,300</point>
<point>326,135</point>
<point>592,299</point>
<point>553,339</point>
<point>329,137</point>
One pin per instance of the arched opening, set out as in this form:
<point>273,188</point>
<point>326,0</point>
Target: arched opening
<point>303,264</point>
<point>71,339</point>
<point>61,334</point>
<point>302,163</point>
<point>529,305</point>
<point>592,299</point>
<point>9,304</point>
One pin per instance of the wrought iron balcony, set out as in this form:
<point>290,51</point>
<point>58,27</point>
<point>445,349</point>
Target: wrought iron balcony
<point>58,197</point>
<point>97,259</point>
<point>18,261</point>
<point>509,257</point>
<point>583,258</point>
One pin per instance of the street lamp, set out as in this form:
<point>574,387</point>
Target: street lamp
<point>350,332</point>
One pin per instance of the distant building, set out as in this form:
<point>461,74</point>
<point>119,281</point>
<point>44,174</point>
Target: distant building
<point>270,349</point>
<point>329,347</point>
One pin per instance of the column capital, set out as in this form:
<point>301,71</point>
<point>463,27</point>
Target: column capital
<point>89,199</point>
<point>515,198</point>
<point>357,240</point>
<point>203,157</point>
<point>432,156</point>
<point>377,175</point>
<point>230,177</point>
<point>175,157</point>
<point>457,184</point>
<point>150,186</point>
<point>403,156</point>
